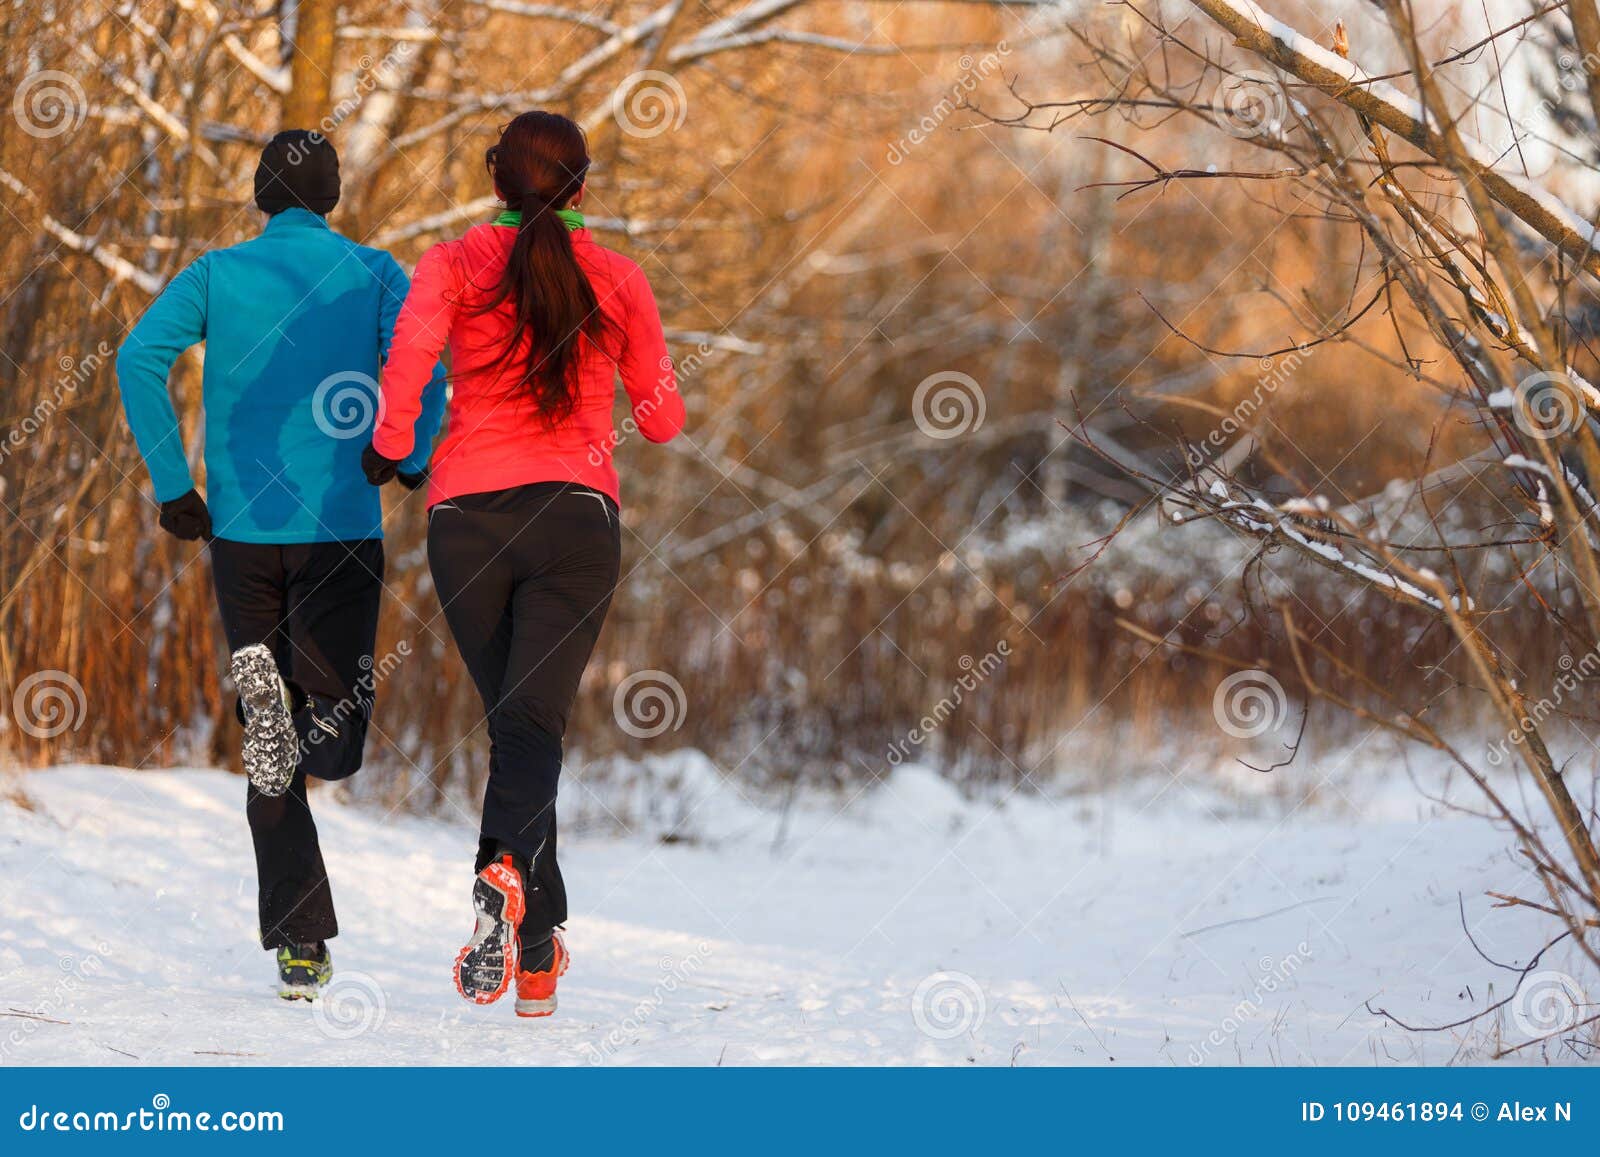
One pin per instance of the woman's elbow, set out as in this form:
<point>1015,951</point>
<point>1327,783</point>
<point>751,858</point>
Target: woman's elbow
<point>663,421</point>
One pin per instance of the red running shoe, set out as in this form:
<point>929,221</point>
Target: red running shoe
<point>484,968</point>
<point>536,991</point>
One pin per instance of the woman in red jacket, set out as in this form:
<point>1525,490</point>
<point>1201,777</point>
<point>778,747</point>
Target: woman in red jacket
<point>524,540</point>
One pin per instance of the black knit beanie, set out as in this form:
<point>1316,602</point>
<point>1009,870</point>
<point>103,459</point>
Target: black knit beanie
<point>298,169</point>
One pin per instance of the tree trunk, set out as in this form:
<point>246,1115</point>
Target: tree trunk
<point>310,96</point>
<point>1586,28</point>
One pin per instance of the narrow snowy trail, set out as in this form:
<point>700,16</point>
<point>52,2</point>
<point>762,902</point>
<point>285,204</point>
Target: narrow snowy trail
<point>906,928</point>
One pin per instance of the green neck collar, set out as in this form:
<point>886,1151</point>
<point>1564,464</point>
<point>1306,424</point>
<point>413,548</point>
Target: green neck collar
<point>513,217</point>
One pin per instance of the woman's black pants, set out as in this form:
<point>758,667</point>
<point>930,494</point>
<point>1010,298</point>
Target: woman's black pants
<point>525,577</point>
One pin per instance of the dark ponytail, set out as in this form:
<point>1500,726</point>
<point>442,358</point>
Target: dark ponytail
<point>538,167</point>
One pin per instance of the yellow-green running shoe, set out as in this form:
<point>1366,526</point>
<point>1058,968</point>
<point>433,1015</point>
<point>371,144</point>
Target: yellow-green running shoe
<point>303,971</point>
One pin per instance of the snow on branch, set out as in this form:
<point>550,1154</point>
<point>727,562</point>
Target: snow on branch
<point>277,79</point>
<point>1277,43</point>
<point>1287,523</point>
<point>747,27</point>
<point>483,206</point>
<point>121,269</point>
<point>1310,526</point>
<point>700,48</point>
<point>551,12</point>
<point>410,35</point>
<point>170,124</point>
<point>717,341</point>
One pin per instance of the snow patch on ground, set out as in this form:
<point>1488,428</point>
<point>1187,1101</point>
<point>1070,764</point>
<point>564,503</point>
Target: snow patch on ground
<point>902,925</point>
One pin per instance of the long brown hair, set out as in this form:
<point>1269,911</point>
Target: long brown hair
<point>538,166</point>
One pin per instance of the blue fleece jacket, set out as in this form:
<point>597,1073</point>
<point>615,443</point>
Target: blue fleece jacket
<point>297,324</point>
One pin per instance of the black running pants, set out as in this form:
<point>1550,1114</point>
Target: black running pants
<point>525,577</point>
<point>316,606</point>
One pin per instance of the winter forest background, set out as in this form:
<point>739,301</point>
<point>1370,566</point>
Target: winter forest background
<point>1080,395</point>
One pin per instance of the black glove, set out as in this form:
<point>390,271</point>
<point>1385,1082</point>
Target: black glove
<point>186,517</point>
<point>376,467</point>
<point>412,481</point>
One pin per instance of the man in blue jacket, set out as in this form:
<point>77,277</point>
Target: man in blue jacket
<point>297,323</point>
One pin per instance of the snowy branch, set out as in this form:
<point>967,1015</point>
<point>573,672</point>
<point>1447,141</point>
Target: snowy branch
<point>277,79</point>
<point>120,268</point>
<point>1278,43</point>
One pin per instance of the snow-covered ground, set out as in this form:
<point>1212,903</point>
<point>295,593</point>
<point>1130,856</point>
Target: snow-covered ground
<point>1168,925</point>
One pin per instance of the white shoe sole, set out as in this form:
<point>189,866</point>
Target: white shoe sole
<point>271,746</point>
<point>535,1007</point>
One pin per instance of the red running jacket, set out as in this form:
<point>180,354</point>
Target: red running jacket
<point>495,438</point>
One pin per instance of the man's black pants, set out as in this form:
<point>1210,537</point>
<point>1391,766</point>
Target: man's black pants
<point>316,606</point>
<point>525,577</point>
